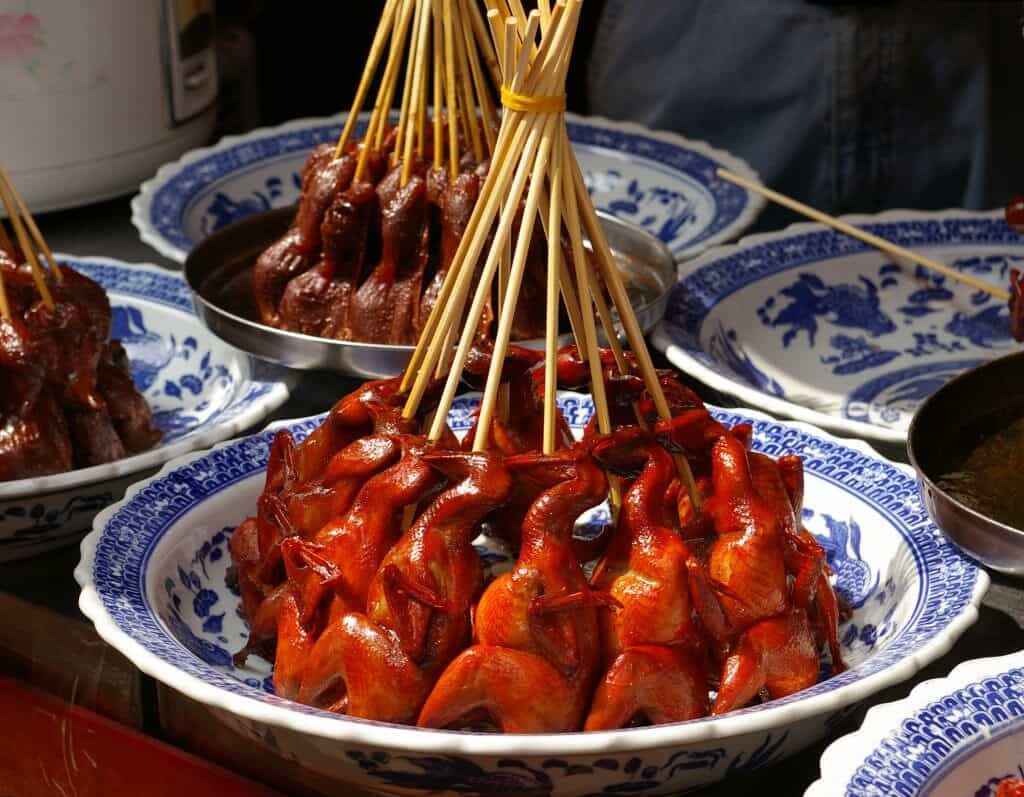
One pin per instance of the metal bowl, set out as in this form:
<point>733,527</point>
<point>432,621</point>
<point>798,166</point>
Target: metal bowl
<point>943,431</point>
<point>219,273</point>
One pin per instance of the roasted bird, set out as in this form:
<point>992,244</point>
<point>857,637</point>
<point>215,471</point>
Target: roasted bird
<point>67,399</point>
<point>536,626</point>
<point>653,644</point>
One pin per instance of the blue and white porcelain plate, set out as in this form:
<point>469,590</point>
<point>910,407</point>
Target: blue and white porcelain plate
<point>153,582</point>
<point>659,181</point>
<point>811,324</point>
<point>201,391</point>
<point>957,736</point>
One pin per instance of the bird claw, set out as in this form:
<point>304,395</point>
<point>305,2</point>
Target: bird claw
<point>551,603</point>
<point>420,593</point>
<point>323,574</point>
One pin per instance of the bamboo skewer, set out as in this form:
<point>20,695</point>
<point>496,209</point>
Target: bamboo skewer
<point>389,81</point>
<point>544,7</point>
<point>554,271</point>
<point>872,240</point>
<point>5,242</point>
<point>579,258</point>
<point>613,280</point>
<point>508,61</point>
<point>438,67</point>
<point>482,91</point>
<point>449,65</point>
<point>421,100</point>
<point>418,84</point>
<point>376,51</point>
<point>33,228</point>
<point>408,84</point>
<point>483,41</point>
<point>467,105</point>
<point>517,144</point>
<point>382,105</point>
<point>516,7</point>
<point>20,232</point>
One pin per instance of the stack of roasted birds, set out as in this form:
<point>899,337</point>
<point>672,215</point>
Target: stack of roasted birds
<point>363,618</point>
<point>358,574</point>
<point>380,217</point>
<point>67,399</point>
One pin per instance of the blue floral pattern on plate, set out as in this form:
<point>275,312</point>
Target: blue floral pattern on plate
<point>815,325</point>
<point>199,390</point>
<point>959,735</point>
<point>163,586</point>
<point>658,181</point>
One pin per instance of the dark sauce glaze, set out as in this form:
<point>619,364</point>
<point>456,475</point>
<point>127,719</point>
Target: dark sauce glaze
<point>990,479</point>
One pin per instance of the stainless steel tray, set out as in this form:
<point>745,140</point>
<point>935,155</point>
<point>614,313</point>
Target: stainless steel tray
<point>219,273</point>
<point>942,428</point>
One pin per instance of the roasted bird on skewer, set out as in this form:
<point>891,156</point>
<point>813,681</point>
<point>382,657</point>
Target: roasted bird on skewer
<point>67,399</point>
<point>380,218</point>
<point>365,260</point>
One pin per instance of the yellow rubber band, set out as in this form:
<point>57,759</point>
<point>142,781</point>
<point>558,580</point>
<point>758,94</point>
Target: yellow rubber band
<point>524,102</point>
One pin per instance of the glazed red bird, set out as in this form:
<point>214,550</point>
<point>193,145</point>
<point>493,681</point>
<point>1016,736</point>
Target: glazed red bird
<point>653,646</point>
<point>330,575</point>
<point>535,626</point>
<point>381,664</point>
<point>773,645</point>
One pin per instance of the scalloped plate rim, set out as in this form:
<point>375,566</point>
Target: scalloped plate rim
<point>846,754</point>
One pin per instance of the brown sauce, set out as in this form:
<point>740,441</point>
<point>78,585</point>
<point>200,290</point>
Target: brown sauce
<point>991,479</point>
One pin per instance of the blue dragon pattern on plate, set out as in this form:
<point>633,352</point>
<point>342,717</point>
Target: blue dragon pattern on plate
<point>812,323</point>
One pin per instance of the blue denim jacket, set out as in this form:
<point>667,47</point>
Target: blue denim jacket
<point>850,107</point>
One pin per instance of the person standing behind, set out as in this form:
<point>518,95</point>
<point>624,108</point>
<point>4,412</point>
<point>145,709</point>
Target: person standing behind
<point>850,107</point>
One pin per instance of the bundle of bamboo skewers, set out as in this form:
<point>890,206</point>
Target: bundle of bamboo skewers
<point>532,156</point>
<point>445,40</point>
<point>30,243</point>
<point>448,61</point>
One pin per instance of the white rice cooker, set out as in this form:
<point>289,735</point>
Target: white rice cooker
<point>96,94</point>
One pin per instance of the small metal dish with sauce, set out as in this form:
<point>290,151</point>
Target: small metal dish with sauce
<point>219,273</point>
<point>957,439</point>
